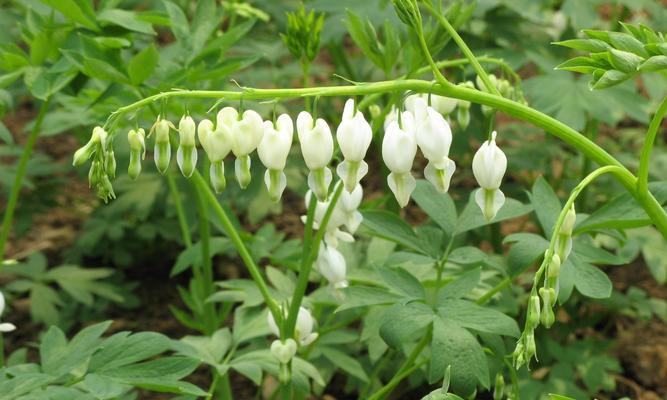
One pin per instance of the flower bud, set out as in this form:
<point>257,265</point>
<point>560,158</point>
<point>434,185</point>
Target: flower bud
<point>137,151</point>
<point>97,140</point>
<point>534,311</point>
<point>568,223</point>
<point>375,111</point>
<point>283,351</point>
<point>548,300</point>
<point>110,163</point>
<point>553,270</point>
<point>434,137</point>
<point>162,150</point>
<point>399,147</point>
<point>499,387</point>
<point>354,136</point>
<point>332,266</point>
<point>531,348</point>
<point>317,149</point>
<point>186,155</point>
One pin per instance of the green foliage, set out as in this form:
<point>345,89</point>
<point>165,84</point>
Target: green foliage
<point>303,34</point>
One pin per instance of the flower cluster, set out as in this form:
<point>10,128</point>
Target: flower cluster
<point>4,326</point>
<point>421,125</point>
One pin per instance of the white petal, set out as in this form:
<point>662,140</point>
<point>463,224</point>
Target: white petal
<point>402,186</point>
<point>489,201</point>
<point>7,327</point>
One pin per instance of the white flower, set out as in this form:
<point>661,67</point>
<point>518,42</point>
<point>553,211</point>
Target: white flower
<point>399,148</point>
<point>434,137</point>
<point>488,166</point>
<point>273,151</point>
<point>354,136</point>
<point>331,264</point>
<point>245,135</point>
<point>303,329</point>
<point>217,144</point>
<point>344,214</point>
<point>186,155</point>
<point>317,149</point>
<point>348,204</point>
<point>283,351</point>
<point>5,326</point>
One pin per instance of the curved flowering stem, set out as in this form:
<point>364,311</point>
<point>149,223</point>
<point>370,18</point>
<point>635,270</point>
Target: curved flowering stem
<point>508,106</point>
<point>612,169</point>
<point>8,216</point>
<point>651,133</point>
<point>256,275</point>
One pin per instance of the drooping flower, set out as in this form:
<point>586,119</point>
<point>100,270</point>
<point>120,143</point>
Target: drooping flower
<point>246,133</point>
<point>434,137</point>
<point>331,264</point>
<point>186,155</point>
<point>488,166</point>
<point>399,148</point>
<point>345,213</point>
<point>137,142</point>
<point>217,144</point>
<point>273,151</point>
<point>4,326</point>
<point>317,149</point>
<point>354,136</point>
<point>283,351</point>
<point>303,330</point>
<point>162,149</point>
<point>97,141</point>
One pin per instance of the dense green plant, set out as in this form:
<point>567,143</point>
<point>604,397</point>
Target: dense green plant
<point>410,303</point>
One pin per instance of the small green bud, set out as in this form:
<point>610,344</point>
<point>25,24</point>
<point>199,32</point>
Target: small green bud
<point>97,139</point>
<point>463,116</point>
<point>531,348</point>
<point>548,299</point>
<point>110,164</point>
<point>553,270</point>
<point>162,149</point>
<point>534,311</point>
<point>499,387</point>
<point>568,223</point>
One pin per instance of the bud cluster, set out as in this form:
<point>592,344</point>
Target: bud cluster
<point>540,308</point>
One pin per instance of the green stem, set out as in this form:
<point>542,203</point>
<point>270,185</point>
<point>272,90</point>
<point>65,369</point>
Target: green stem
<point>507,106</point>
<point>307,263</point>
<point>488,295</point>
<point>490,87</point>
<point>651,133</point>
<point>206,277</point>
<point>234,236</point>
<point>406,369</point>
<point>8,217</point>
<point>180,213</point>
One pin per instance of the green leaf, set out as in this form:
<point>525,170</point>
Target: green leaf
<point>9,78</point>
<point>546,203</point>
<point>460,286</point>
<point>103,387</point>
<point>655,63</point>
<point>470,315</point>
<point>174,367</point>
<point>438,206</point>
<point>72,10</point>
<point>389,226</point>
<point>454,346</point>
<point>143,64</point>
<point>654,251</point>
<point>124,348</point>
<point>590,280</point>
<point>527,248</point>
<point>472,217</point>
<point>210,350</point>
<point>589,45</point>
<point>622,212</point>
<point>345,362</point>
<point>624,61</point>
<point>401,323</point>
<point>179,23</point>
<point>403,282</point>
<point>583,65</point>
<point>127,19</point>
<point>23,384</point>
<point>364,296</point>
